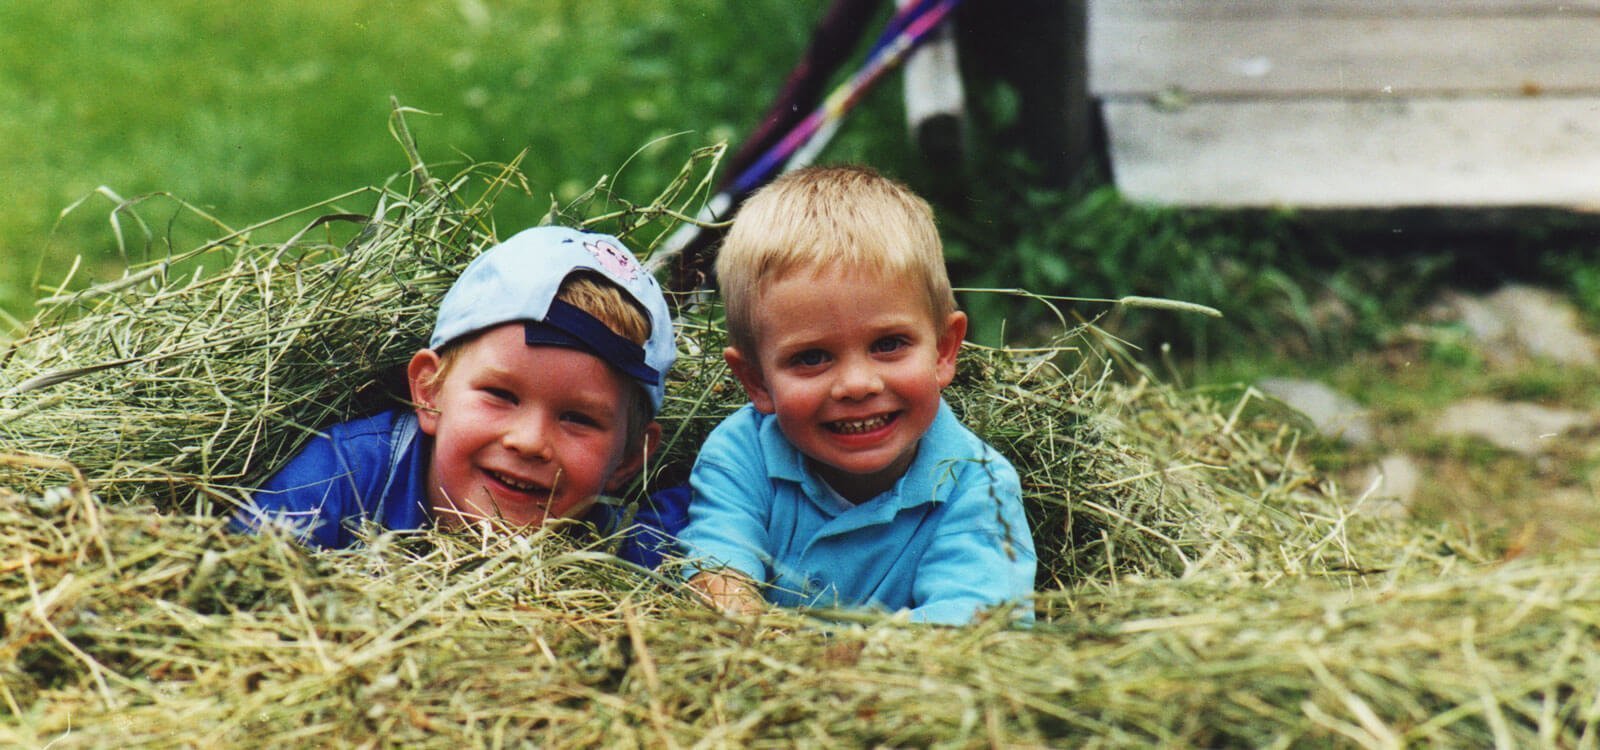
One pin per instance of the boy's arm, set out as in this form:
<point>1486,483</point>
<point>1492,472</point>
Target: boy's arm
<point>983,552</point>
<point>308,496</point>
<point>727,530</point>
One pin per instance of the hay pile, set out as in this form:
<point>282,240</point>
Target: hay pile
<point>127,626</point>
<point>186,389</point>
<point>1200,583</point>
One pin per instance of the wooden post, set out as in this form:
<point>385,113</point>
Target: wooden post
<point>936,101</point>
<point>1038,49</point>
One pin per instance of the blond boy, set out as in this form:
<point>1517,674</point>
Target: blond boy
<point>535,396</point>
<point>847,481</point>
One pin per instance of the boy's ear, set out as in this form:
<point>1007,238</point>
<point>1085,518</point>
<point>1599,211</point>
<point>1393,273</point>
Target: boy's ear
<point>634,460</point>
<point>950,338</point>
<point>749,375</point>
<point>422,374</point>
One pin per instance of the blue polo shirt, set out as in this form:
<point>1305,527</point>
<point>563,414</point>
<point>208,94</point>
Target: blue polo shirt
<point>375,469</point>
<point>949,539</point>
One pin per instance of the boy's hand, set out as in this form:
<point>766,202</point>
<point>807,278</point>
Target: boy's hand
<point>730,593</point>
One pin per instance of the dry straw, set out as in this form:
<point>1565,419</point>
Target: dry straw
<point>126,626</point>
<point>1200,582</point>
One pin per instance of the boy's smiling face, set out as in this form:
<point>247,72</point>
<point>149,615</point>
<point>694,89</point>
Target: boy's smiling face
<point>521,433</point>
<point>852,365</point>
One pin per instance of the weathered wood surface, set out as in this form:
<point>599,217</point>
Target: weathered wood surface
<point>1350,103</point>
<point>1296,57</point>
<point>1328,153</point>
<point>1207,9</point>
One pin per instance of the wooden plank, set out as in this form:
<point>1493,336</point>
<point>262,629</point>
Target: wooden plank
<point>1359,153</point>
<point>1223,9</point>
<point>1283,56</point>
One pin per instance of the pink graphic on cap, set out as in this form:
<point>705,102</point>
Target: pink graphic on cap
<point>614,259</point>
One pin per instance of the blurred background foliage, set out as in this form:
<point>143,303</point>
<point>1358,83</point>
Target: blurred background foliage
<point>253,110</point>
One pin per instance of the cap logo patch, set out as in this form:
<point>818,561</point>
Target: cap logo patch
<point>615,260</point>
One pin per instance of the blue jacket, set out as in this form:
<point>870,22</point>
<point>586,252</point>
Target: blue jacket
<point>375,469</point>
<point>950,538</point>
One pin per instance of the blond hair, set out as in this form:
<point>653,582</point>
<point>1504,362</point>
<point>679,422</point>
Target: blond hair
<point>607,303</point>
<point>837,217</point>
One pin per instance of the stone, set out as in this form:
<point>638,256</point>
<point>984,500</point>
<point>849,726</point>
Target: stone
<point>1544,325</point>
<point>1518,322</point>
<point>1483,322</point>
<point>1334,414</point>
<point>1401,477</point>
<point>1528,429</point>
<point>1388,489</point>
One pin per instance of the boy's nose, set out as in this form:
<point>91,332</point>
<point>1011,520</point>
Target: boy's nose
<point>528,437</point>
<point>857,380</point>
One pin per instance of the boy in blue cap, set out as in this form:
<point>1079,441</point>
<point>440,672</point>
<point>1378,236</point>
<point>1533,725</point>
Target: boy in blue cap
<point>847,481</point>
<point>537,393</point>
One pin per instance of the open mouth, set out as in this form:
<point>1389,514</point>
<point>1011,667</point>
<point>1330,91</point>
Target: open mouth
<point>520,485</point>
<point>862,426</point>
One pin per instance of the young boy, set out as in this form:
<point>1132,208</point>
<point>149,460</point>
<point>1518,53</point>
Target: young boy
<point>847,481</point>
<point>536,394</point>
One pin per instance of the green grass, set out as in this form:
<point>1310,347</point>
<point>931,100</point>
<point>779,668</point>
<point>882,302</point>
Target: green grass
<point>252,110</point>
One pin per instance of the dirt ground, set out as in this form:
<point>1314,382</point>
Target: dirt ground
<point>1481,413</point>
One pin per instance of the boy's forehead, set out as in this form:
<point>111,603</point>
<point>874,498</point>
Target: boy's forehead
<point>820,284</point>
<point>824,272</point>
<point>823,269</point>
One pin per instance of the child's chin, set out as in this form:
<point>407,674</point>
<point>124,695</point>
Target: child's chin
<point>523,518</point>
<point>528,512</point>
<point>510,515</point>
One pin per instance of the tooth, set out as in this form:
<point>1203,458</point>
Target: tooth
<point>851,427</point>
<point>516,484</point>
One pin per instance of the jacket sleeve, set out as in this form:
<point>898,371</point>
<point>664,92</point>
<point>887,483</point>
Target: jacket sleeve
<point>656,524</point>
<point>982,554</point>
<point>312,495</point>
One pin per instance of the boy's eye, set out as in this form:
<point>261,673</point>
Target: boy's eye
<point>578,417</point>
<point>889,344</point>
<point>501,394</point>
<point>808,358</point>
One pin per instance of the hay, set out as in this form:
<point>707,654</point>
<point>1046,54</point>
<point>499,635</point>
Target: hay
<point>1200,582</point>
<point>180,388</point>
<point>127,626</point>
<point>184,390</point>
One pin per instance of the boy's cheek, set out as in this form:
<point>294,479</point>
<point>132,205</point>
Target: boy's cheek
<point>633,461</point>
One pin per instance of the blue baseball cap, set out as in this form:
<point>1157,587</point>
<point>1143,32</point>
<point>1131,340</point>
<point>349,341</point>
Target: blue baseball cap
<point>517,280</point>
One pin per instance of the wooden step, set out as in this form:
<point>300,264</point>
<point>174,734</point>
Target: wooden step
<point>1351,103</point>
